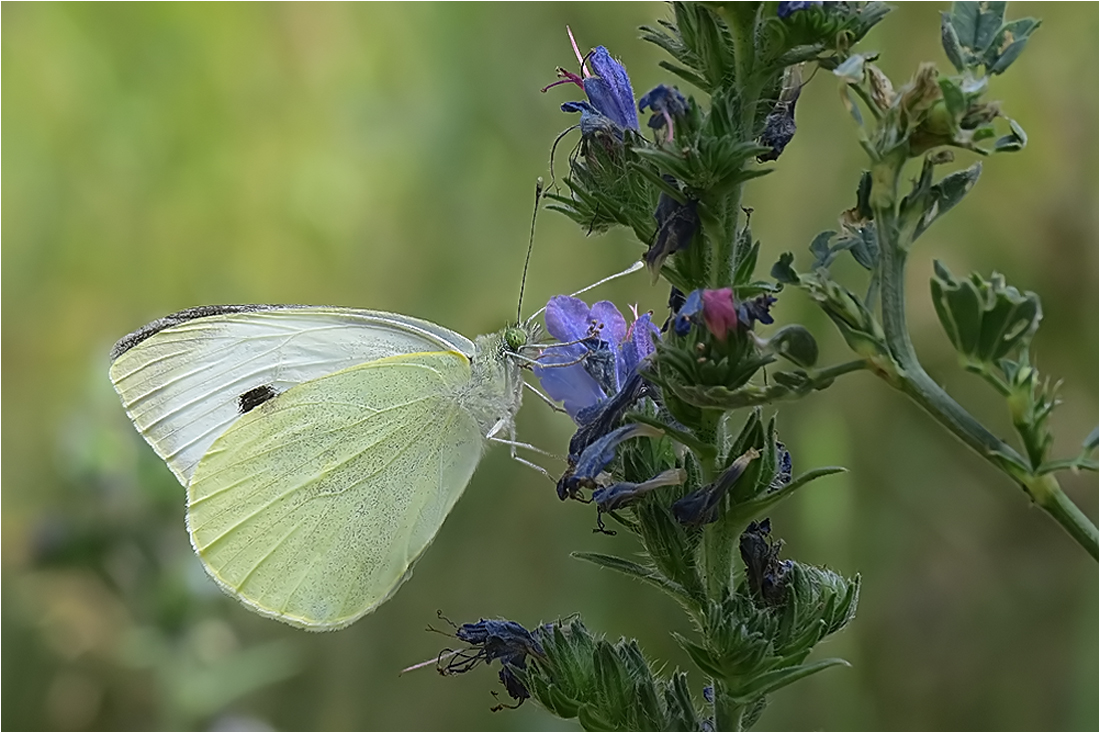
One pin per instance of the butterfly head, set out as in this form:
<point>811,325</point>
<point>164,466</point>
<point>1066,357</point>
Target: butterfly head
<point>520,341</point>
<point>515,338</point>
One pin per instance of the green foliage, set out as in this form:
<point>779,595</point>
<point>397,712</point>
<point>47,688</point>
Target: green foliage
<point>757,626</point>
<point>822,33</point>
<point>975,35</point>
<point>605,686</point>
<point>986,320</point>
<point>163,156</point>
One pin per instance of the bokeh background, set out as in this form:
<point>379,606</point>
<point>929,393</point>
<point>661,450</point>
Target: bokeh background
<point>163,156</point>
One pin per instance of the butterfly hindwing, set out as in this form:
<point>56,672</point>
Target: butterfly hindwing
<point>313,507</point>
<point>186,378</point>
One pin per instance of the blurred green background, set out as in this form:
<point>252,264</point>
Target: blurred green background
<point>163,156</point>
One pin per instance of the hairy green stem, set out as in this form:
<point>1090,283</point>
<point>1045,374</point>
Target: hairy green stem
<point>911,378</point>
<point>728,715</point>
<point>741,20</point>
<point>1048,494</point>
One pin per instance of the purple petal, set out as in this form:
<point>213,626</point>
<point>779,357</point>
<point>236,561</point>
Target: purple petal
<point>644,335</point>
<point>636,347</point>
<point>571,385</point>
<point>613,325</point>
<point>610,91</point>
<point>567,318</point>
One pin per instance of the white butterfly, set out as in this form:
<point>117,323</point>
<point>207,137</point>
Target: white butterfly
<point>321,448</point>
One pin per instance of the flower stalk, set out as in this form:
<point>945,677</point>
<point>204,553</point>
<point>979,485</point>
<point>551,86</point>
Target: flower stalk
<point>910,377</point>
<point>672,446</point>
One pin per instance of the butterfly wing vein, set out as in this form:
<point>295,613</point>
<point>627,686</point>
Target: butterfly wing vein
<point>313,507</point>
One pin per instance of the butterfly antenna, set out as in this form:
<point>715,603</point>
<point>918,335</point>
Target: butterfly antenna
<point>530,246</point>
<point>633,268</point>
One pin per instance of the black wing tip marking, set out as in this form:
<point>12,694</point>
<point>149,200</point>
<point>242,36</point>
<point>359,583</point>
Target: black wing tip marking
<point>203,311</point>
<point>255,397</point>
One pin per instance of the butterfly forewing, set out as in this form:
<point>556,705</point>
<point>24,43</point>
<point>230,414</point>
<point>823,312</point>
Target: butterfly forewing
<point>186,378</point>
<point>313,507</point>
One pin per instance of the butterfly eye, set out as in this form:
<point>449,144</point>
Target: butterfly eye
<point>515,338</point>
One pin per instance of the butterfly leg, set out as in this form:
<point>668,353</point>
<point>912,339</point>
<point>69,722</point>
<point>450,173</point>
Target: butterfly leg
<point>519,444</point>
<point>513,444</point>
<point>553,405</point>
<point>535,466</point>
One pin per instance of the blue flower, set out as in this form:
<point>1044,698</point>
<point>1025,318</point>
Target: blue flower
<point>786,8</point>
<point>779,130</point>
<point>599,354</point>
<point>757,309</point>
<point>765,573</point>
<point>783,467</point>
<point>677,224</point>
<point>585,468</point>
<point>721,312</point>
<point>597,421</point>
<point>609,90</point>
<point>623,494</point>
<point>498,639</point>
<point>685,317</point>
<point>701,507</point>
<point>666,103</point>
<point>610,104</point>
<point>492,639</point>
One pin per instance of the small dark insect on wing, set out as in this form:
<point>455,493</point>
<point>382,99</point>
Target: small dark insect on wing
<point>255,397</point>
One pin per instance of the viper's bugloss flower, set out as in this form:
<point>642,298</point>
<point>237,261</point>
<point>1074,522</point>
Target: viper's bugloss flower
<point>498,639</point>
<point>582,474</point>
<point>757,309</point>
<point>493,639</point>
<point>779,129</point>
<point>599,353</point>
<point>685,316</point>
<point>623,494</point>
<point>765,573</point>
<point>666,103</point>
<point>783,468</point>
<point>719,312</point>
<point>786,8</point>
<point>609,90</point>
<point>701,506</point>
<point>779,125</point>
<point>600,419</point>
<point>676,226</point>
<point>610,95</point>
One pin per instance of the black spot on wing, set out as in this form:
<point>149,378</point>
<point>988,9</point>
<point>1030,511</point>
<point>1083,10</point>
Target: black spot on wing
<point>255,397</point>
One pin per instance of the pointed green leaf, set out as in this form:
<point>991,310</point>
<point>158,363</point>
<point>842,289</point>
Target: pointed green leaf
<point>951,45</point>
<point>1067,464</point>
<point>1010,143</point>
<point>977,23</point>
<point>944,195</point>
<point>821,250</point>
<point>1009,44</point>
<point>771,681</point>
<point>959,307</point>
<point>634,570</point>
<point>750,510</point>
<point>782,270</point>
<point>702,658</point>
<point>679,704</point>
<point>591,719</point>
